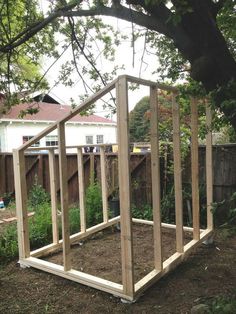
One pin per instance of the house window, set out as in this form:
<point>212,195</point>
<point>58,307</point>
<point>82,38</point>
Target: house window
<point>100,139</point>
<point>26,138</point>
<point>52,140</point>
<point>89,139</point>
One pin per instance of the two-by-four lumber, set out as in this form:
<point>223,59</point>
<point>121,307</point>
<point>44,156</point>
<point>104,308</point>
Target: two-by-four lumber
<point>155,166</point>
<point>92,169</point>
<point>195,170</point>
<point>64,196</point>
<point>177,175</point>
<point>104,184</point>
<point>21,204</point>
<point>124,187</point>
<point>209,170</point>
<point>53,193</point>
<point>81,189</point>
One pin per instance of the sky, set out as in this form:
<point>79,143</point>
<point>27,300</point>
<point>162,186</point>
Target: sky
<point>124,56</point>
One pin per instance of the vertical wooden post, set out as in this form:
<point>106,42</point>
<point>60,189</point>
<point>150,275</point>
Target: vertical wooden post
<point>155,166</point>
<point>53,192</point>
<point>177,176</point>
<point>91,181</point>
<point>81,189</point>
<point>64,196</point>
<point>195,171</point>
<point>124,187</point>
<point>209,171</point>
<point>40,170</point>
<point>21,204</point>
<point>103,183</point>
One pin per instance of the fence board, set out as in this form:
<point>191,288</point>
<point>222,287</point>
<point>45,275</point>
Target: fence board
<point>224,161</point>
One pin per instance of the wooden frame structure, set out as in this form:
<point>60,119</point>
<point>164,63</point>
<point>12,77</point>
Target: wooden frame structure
<point>128,290</point>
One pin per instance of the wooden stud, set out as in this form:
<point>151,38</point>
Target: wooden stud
<point>195,171</point>
<point>155,166</point>
<point>104,183</point>
<point>81,189</point>
<point>124,187</point>
<point>92,168</point>
<point>53,192</point>
<point>209,170</point>
<point>177,176</point>
<point>64,196</point>
<point>21,204</point>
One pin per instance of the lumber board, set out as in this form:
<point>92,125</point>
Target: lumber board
<point>125,187</point>
<point>64,196</point>
<point>177,175</point>
<point>104,184</point>
<point>155,174</point>
<point>209,168</point>
<point>163,224</point>
<point>81,189</point>
<point>194,169</point>
<point>77,276</point>
<point>53,193</point>
<point>21,204</point>
<point>149,83</point>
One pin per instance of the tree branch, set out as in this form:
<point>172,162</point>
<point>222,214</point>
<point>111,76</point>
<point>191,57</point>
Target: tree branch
<point>35,28</point>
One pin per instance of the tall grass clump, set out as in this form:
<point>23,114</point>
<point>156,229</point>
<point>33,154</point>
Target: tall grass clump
<point>94,204</point>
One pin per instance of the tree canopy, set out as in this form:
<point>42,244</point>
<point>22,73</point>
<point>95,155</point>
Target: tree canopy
<point>192,38</point>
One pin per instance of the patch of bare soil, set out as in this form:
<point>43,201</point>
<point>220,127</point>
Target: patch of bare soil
<point>208,272</point>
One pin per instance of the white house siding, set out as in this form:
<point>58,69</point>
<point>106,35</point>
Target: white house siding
<point>2,137</point>
<point>12,132</point>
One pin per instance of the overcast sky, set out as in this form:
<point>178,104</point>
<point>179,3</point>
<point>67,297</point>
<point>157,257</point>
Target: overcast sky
<point>124,55</point>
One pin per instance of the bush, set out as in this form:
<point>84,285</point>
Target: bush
<point>144,212</point>
<point>40,226</point>
<point>74,219</point>
<point>94,204</point>
<point>8,243</point>
<point>223,304</point>
<point>37,196</point>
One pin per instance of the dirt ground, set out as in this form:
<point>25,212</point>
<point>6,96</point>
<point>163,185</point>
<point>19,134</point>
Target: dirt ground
<point>208,272</point>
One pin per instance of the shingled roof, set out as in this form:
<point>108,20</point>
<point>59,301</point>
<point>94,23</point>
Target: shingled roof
<point>51,112</point>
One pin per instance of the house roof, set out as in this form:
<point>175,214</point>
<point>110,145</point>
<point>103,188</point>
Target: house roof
<point>51,112</point>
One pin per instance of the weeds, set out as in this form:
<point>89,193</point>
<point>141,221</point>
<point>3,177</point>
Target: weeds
<point>94,204</point>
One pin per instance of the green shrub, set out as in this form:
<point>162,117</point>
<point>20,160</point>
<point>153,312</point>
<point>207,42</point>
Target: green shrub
<point>74,219</point>
<point>144,212</point>
<point>40,226</point>
<point>222,305</point>
<point>37,196</point>
<point>94,204</point>
<point>8,243</point>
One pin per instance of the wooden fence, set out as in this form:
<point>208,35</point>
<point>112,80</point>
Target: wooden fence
<point>37,169</point>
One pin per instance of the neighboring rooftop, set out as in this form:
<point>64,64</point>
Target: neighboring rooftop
<point>50,112</point>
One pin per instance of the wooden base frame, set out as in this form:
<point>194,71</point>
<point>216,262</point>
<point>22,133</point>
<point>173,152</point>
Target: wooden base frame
<point>128,290</point>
